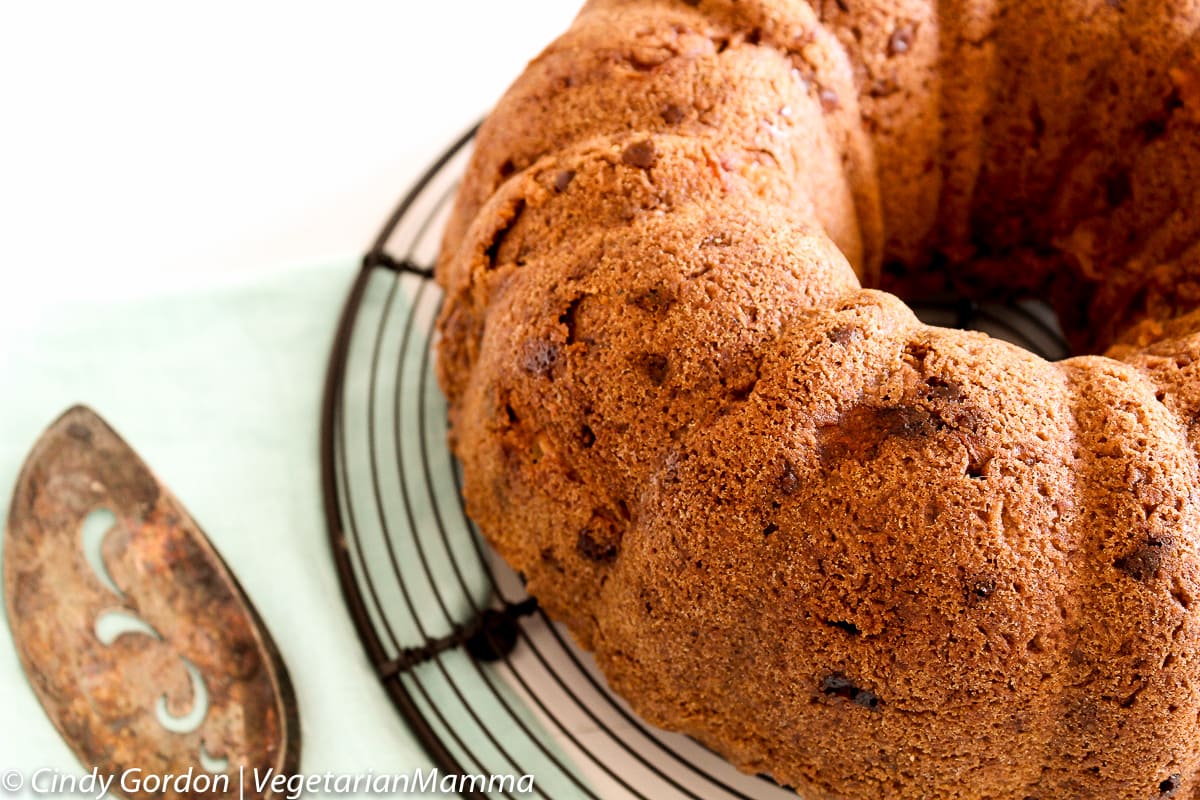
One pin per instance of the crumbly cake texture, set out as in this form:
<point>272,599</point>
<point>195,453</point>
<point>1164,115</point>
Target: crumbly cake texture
<point>867,556</point>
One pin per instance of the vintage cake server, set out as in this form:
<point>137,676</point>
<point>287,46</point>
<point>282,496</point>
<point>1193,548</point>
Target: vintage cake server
<point>136,637</point>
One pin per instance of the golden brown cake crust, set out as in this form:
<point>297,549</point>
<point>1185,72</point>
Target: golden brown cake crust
<point>867,556</point>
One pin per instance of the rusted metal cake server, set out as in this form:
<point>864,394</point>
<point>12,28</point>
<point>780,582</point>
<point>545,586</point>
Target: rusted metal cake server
<point>125,645</point>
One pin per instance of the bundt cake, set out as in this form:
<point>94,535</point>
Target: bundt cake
<point>869,557</point>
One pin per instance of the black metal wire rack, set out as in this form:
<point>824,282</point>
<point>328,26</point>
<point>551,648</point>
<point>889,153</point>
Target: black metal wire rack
<point>488,683</point>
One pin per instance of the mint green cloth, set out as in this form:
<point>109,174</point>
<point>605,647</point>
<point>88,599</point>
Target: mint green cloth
<point>219,392</point>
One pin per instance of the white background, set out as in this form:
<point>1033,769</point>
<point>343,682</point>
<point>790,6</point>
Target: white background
<point>150,147</point>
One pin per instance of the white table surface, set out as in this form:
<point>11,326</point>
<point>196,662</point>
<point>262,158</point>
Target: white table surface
<point>148,150</point>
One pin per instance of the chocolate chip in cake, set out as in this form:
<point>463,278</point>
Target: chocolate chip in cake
<point>654,300</point>
<point>640,154</point>
<point>866,700</point>
<point>601,539</point>
<point>672,114</point>
<point>829,100</point>
<point>540,357</point>
<point>843,334</point>
<point>788,482</point>
<point>563,179</point>
<point>860,432</point>
<point>901,40</point>
<point>655,366</point>
<point>838,685</point>
<point>587,437</point>
<point>1144,561</point>
<point>980,590</point>
<point>593,548</point>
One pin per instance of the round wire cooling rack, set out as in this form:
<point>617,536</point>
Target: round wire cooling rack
<point>489,684</point>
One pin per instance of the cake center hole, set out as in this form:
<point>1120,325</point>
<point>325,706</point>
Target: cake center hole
<point>1031,324</point>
